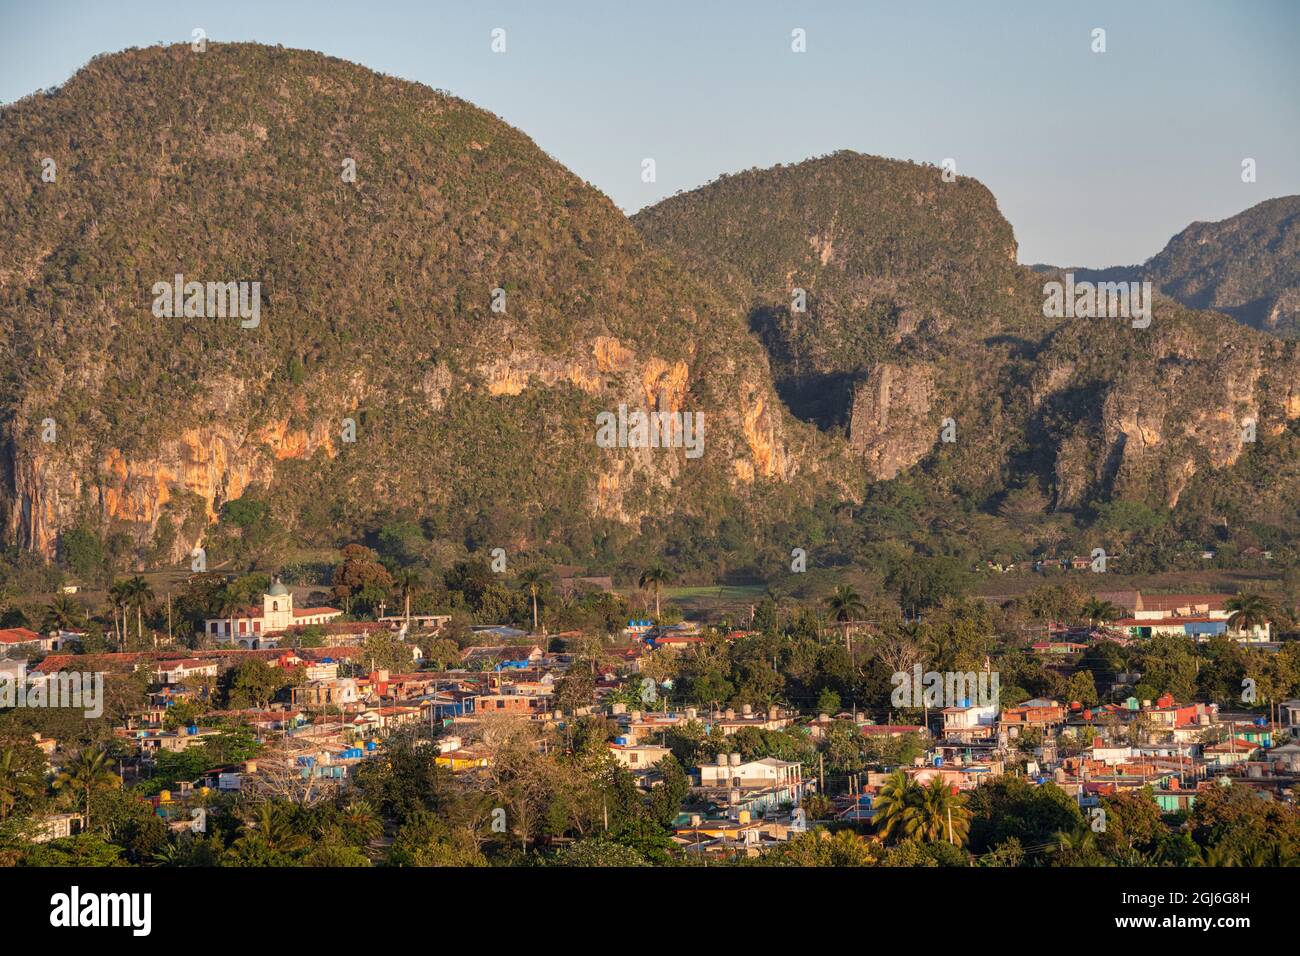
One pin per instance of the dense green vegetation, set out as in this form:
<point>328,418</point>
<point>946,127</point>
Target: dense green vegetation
<point>473,428</point>
<point>376,307</point>
<point>1247,266</point>
<point>913,292</point>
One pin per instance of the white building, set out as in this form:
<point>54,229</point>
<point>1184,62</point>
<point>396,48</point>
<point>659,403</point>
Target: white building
<point>1199,616</point>
<point>970,722</point>
<point>178,672</point>
<point>731,771</point>
<point>260,627</point>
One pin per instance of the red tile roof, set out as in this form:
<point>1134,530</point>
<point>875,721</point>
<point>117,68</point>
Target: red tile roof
<point>127,662</point>
<point>1164,621</point>
<point>18,635</point>
<point>1171,602</point>
<point>185,662</point>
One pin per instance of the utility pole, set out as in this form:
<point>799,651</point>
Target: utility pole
<point>950,839</point>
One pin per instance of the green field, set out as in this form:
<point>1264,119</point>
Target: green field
<point>715,600</point>
<point>718,592</point>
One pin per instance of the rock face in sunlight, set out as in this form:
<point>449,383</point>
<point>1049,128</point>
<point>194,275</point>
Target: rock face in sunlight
<point>890,300</point>
<point>443,312</point>
<point>464,302</point>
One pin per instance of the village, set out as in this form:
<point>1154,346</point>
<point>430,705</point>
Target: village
<point>297,724</point>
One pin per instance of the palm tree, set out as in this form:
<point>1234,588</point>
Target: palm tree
<point>532,580</point>
<point>408,582</point>
<point>61,614</point>
<point>845,604</point>
<point>273,824</point>
<point>1099,612</point>
<point>229,603</point>
<point>140,594</point>
<point>1248,611</point>
<point>1213,856</point>
<point>891,804</point>
<point>1078,845</point>
<point>658,577</point>
<point>937,814</point>
<point>359,818</point>
<point>14,782</point>
<point>119,595</point>
<point>1272,855</point>
<point>87,773</point>
<point>171,854</point>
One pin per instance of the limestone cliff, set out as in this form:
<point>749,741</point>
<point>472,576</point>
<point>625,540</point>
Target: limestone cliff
<point>460,310</point>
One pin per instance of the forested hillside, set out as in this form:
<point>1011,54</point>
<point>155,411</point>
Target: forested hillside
<point>874,368</point>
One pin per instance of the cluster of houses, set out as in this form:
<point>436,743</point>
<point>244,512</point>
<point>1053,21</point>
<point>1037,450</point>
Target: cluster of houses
<point>1198,616</point>
<point>1144,616</point>
<point>1175,748</point>
<point>337,709</point>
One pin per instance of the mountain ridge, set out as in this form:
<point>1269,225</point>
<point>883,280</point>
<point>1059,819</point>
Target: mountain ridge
<point>376,307</point>
<point>1246,266</point>
<point>477,425</point>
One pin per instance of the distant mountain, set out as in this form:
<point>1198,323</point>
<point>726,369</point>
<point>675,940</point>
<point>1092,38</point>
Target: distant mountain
<point>905,278</point>
<point>1247,266</point>
<point>917,313</point>
<point>376,308</point>
<point>874,368</point>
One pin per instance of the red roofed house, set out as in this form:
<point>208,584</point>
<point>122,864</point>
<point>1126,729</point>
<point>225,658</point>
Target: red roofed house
<point>179,671</point>
<point>277,614</point>
<point>1040,713</point>
<point>20,639</point>
<point>1196,615</point>
<point>1168,715</point>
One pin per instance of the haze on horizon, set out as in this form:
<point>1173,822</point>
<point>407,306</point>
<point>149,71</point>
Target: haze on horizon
<point>1096,159</point>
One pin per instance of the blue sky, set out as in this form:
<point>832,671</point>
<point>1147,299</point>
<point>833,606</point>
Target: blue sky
<point>1096,159</point>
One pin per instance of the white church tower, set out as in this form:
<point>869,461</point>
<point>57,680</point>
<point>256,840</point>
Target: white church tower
<point>277,608</point>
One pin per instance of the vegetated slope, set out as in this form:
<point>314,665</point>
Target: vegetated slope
<point>377,310</point>
<point>1247,266</point>
<point>376,307</point>
<point>917,312</point>
<point>910,280</point>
